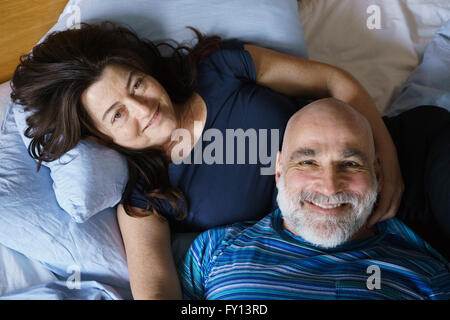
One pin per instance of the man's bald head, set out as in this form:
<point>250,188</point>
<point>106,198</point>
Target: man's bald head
<point>325,115</point>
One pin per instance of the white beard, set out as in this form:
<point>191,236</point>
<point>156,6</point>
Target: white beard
<point>320,229</point>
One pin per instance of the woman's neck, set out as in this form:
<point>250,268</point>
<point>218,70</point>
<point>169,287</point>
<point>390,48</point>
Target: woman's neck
<point>191,119</point>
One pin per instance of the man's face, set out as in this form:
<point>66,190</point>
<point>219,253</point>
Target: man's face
<point>326,178</point>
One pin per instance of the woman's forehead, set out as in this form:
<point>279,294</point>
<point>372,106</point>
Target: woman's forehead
<point>114,71</point>
<point>113,78</point>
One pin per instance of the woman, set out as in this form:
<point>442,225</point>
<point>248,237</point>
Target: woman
<point>103,82</point>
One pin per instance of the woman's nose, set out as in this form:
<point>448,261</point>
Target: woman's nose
<point>138,108</point>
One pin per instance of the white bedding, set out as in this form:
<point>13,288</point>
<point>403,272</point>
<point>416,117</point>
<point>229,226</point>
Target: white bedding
<point>336,32</point>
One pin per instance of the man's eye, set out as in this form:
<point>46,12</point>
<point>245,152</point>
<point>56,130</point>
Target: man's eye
<point>350,164</point>
<point>306,162</point>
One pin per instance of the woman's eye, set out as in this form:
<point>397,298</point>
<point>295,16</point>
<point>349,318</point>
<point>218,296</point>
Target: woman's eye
<point>137,84</point>
<point>117,116</point>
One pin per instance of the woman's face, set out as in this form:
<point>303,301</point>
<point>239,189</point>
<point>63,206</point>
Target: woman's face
<point>130,107</point>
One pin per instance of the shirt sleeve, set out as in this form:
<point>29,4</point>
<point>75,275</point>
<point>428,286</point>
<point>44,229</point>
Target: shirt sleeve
<point>193,272</point>
<point>137,199</point>
<point>163,207</point>
<point>232,60</point>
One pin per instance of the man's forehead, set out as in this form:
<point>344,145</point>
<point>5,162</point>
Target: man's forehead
<point>330,138</point>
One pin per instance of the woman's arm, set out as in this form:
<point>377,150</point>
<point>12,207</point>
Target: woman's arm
<point>149,256</point>
<point>305,78</point>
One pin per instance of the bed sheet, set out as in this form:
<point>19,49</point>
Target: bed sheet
<point>60,290</point>
<point>17,272</point>
<point>378,41</point>
<point>344,33</point>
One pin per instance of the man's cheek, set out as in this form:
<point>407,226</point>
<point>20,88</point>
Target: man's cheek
<point>360,184</point>
<point>298,180</point>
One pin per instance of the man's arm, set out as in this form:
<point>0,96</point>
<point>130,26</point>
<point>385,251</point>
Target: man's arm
<point>194,269</point>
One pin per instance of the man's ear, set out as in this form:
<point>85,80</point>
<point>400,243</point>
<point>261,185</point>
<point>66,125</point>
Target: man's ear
<point>278,168</point>
<point>378,173</point>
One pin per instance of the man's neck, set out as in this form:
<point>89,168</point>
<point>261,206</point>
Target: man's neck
<point>362,233</point>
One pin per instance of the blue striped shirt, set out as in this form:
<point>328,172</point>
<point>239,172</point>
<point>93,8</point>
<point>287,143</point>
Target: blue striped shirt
<point>265,261</point>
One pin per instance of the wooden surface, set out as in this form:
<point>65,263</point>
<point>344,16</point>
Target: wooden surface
<point>22,25</point>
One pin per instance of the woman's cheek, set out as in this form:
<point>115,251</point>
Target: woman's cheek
<point>126,138</point>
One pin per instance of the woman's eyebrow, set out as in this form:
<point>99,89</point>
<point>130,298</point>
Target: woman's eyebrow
<point>130,77</point>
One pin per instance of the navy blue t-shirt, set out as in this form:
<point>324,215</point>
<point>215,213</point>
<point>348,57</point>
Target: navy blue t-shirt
<point>227,190</point>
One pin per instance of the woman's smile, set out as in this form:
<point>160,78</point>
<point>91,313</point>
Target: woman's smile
<point>155,119</point>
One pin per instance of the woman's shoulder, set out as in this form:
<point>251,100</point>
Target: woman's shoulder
<point>231,61</point>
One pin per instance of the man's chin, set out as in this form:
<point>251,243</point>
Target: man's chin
<point>326,231</point>
<point>324,237</point>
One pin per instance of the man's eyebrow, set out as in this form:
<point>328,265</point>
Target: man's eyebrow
<point>348,153</point>
<point>301,153</point>
<point>130,77</point>
<point>353,152</point>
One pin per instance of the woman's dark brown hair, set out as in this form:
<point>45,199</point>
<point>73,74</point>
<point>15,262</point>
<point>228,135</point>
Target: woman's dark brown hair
<point>52,78</point>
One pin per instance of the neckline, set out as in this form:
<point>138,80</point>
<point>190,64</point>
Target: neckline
<point>277,224</point>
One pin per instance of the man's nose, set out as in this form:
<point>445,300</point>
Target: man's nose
<point>330,182</point>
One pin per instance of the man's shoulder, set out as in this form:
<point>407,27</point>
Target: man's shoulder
<point>399,231</point>
<point>398,228</point>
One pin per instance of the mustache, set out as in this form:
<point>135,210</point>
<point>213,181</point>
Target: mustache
<point>339,198</point>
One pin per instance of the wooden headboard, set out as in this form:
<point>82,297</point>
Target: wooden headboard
<point>23,24</point>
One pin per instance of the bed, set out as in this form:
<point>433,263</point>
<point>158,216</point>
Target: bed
<point>379,42</point>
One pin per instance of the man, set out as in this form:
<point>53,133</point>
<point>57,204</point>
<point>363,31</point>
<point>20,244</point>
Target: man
<point>317,245</point>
